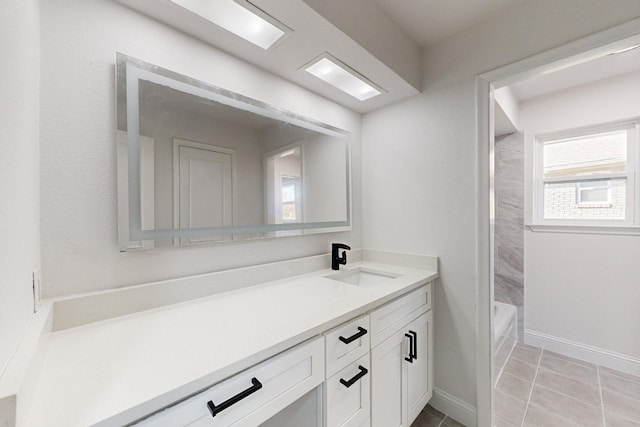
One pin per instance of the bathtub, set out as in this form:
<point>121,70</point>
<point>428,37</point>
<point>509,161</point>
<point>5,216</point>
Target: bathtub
<point>505,335</point>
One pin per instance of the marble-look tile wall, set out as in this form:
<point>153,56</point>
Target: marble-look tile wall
<point>509,223</point>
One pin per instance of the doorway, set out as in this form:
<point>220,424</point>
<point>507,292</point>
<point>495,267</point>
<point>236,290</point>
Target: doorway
<point>488,85</point>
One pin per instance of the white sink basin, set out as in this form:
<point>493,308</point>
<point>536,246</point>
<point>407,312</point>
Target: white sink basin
<point>364,277</point>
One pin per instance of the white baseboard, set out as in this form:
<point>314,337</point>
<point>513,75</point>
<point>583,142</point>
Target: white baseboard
<point>455,408</point>
<point>599,356</point>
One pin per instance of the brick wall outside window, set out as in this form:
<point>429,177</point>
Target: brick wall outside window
<point>560,202</point>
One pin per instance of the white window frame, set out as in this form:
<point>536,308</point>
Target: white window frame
<point>629,225</point>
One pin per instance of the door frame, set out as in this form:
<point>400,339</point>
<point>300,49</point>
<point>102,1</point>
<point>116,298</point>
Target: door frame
<point>581,50</point>
<point>177,143</point>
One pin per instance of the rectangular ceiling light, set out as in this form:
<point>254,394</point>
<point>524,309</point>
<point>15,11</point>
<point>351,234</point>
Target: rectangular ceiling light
<point>345,78</point>
<point>252,25</point>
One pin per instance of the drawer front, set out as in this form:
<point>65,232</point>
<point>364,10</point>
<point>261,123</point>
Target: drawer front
<point>389,318</point>
<point>349,406</point>
<point>284,378</point>
<point>341,354</point>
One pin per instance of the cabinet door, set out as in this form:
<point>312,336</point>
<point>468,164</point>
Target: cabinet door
<point>420,372</point>
<point>388,382</point>
<point>349,405</point>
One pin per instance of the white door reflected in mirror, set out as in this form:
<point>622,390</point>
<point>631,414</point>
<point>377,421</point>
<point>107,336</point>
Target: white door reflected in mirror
<point>203,188</point>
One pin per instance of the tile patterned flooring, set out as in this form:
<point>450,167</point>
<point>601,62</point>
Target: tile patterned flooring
<point>431,417</point>
<point>546,389</point>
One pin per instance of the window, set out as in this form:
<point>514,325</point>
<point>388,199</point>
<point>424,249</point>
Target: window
<point>594,194</point>
<point>288,186</point>
<point>587,176</point>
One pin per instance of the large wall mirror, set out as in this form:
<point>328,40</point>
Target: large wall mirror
<point>198,164</point>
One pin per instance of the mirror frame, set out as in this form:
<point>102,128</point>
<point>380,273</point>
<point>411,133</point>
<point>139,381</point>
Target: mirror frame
<point>129,71</point>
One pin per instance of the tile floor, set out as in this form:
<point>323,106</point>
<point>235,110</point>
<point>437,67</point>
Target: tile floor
<point>542,388</point>
<point>431,417</point>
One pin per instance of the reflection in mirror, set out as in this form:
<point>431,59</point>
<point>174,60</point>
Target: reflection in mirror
<point>283,177</point>
<point>199,164</point>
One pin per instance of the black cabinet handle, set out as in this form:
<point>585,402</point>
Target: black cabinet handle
<point>257,385</point>
<point>352,381</point>
<point>410,358</point>
<point>414,355</point>
<point>361,332</point>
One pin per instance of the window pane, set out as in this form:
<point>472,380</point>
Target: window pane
<point>288,212</point>
<point>288,189</point>
<point>594,195</point>
<point>594,192</point>
<point>592,154</point>
<point>602,199</point>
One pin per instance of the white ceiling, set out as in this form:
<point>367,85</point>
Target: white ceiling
<point>428,22</point>
<point>312,36</point>
<point>588,72</point>
<point>381,39</point>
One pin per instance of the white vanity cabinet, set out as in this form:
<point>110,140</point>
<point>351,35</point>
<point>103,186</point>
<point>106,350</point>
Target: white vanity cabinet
<point>375,370</point>
<point>252,396</point>
<point>401,359</point>
<point>322,349</point>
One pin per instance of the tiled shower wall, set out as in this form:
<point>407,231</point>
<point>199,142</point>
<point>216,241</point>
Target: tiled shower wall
<point>509,223</point>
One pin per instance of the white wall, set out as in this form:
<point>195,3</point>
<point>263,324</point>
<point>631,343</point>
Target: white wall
<point>584,288</point>
<point>581,287</point>
<point>418,197</point>
<point>79,229</point>
<point>505,112</point>
<point>19,170</point>
<point>604,101</point>
<point>420,161</point>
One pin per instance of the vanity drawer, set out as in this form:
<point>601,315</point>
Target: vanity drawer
<point>389,318</point>
<point>346,343</point>
<point>349,406</point>
<point>278,382</point>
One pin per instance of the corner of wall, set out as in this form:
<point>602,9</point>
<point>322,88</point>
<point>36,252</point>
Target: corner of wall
<point>19,171</point>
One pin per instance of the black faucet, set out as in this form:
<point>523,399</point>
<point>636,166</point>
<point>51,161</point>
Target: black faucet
<point>336,259</point>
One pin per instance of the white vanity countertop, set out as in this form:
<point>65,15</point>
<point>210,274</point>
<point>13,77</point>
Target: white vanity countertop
<point>116,371</point>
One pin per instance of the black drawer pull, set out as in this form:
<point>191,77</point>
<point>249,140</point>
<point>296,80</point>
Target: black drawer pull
<point>352,381</point>
<point>361,332</point>
<point>415,345</point>
<point>257,385</point>
<point>410,358</point>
